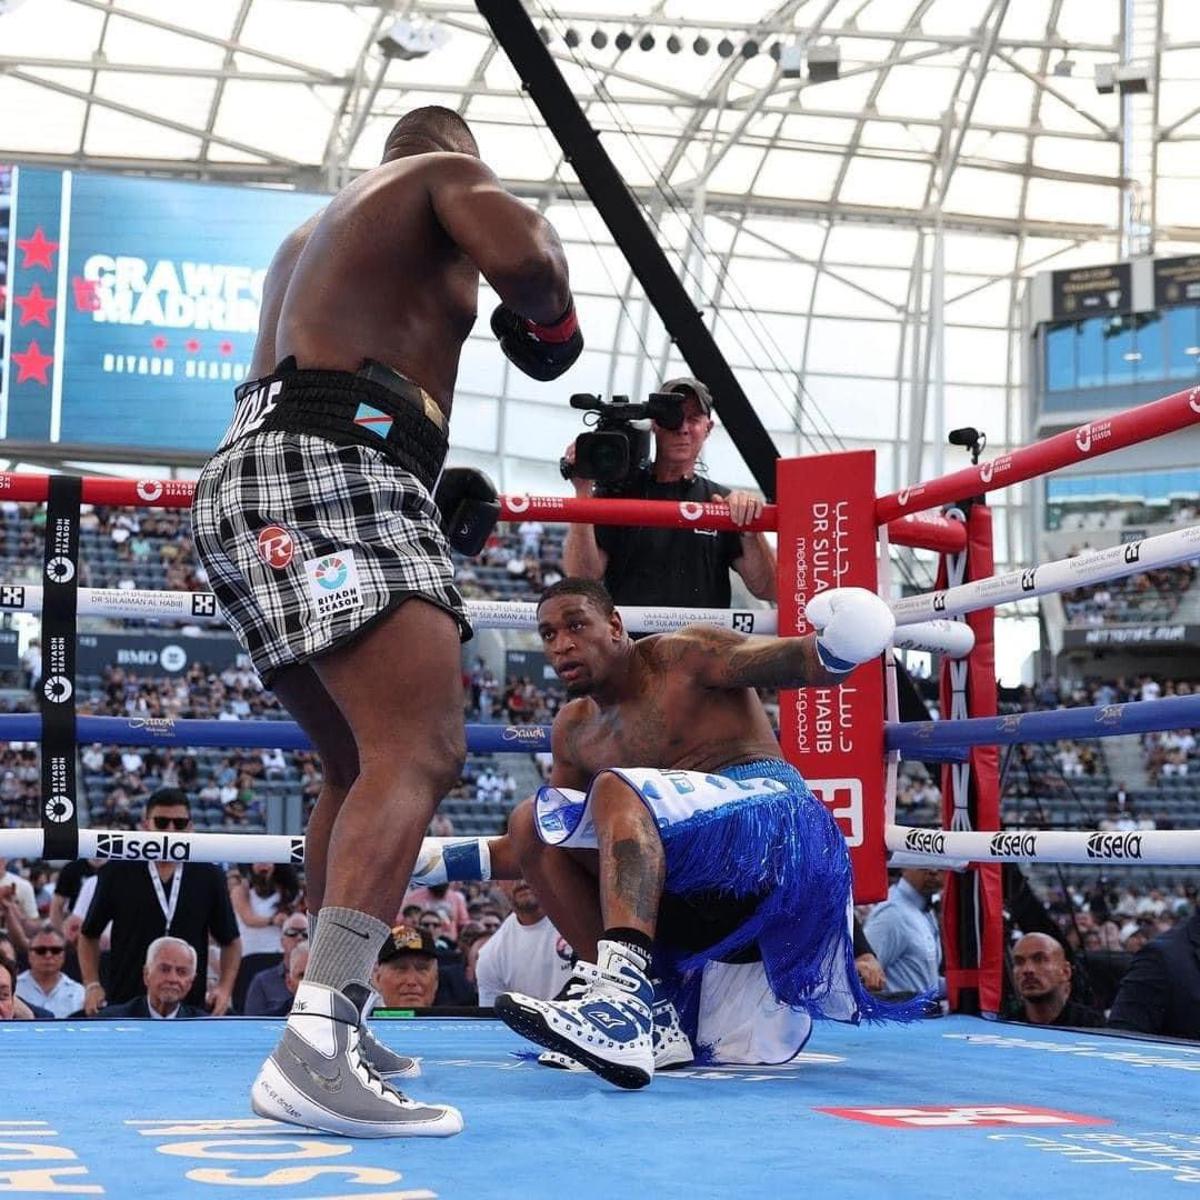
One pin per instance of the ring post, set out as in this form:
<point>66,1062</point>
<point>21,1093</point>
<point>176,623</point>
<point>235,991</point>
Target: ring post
<point>972,916</point>
<point>834,735</point>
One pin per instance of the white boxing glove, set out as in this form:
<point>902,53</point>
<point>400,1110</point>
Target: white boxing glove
<point>443,859</point>
<point>853,626</point>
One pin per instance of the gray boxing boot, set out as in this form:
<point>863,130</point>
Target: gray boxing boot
<point>318,1077</point>
<point>383,1059</point>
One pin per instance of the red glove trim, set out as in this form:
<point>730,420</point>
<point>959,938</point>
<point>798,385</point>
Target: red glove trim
<point>562,330</point>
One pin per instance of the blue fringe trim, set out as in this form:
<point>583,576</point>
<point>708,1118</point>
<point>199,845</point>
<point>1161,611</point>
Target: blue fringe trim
<point>787,847</point>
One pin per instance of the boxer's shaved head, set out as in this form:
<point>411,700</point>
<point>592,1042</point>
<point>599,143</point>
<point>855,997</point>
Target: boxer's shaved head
<point>429,129</point>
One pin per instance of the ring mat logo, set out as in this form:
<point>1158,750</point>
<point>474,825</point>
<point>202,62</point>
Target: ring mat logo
<point>934,1116</point>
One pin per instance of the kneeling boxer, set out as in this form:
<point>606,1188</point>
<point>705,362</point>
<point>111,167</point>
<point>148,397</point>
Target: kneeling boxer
<point>674,839</point>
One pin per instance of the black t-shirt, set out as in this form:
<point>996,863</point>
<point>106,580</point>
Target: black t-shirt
<point>665,567</point>
<point>126,896</point>
<point>1079,1016</point>
<point>70,880</point>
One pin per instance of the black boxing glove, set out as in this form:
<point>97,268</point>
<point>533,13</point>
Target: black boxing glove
<point>543,352</point>
<point>469,506</point>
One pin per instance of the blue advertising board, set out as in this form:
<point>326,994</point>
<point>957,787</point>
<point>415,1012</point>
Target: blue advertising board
<point>133,305</point>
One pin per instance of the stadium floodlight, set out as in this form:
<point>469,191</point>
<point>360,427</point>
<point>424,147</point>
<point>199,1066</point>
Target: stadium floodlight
<point>824,61</point>
<point>408,38</point>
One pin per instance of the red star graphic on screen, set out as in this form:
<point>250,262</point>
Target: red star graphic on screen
<point>226,347</point>
<point>35,307</point>
<point>159,342</point>
<point>191,345</point>
<point>38,250</point>
<point>32,364</point>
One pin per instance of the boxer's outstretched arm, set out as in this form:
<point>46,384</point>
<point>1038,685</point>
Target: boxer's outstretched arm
<point>853,626</point>
<point>513,245</point>
<point>721,658</point>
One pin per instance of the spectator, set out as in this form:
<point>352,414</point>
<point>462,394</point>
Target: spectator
<point>407,973</point>
<point>1160,993</point>
<point>262,897</point>
<point>297,965</point>
<point>19,890</point>
<point>144,901</point>
<point>526,954</point>
<point>646,566</point>
<point>904,932</point>
<point>12,1007</point>
<point>168,977</point>
<point>269,988</point>
<point>531,533</point>
<point>68,886</point>
<point>1042,976</point>
<point>45,984</point>
<point>447,900</point>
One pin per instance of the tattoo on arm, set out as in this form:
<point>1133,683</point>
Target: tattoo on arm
<point>634,872</point>
<point>722,658</point>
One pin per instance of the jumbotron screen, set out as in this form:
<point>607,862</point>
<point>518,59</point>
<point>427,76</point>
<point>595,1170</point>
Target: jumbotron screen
<point>132,304</point>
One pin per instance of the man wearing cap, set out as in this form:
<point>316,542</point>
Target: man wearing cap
<point>665,567</point>
<point>407,973</point>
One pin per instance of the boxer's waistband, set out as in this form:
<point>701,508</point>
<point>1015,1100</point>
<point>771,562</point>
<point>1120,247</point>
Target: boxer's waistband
<point>326,404</point>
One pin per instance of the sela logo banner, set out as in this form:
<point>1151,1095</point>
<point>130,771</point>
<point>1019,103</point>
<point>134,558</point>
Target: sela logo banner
<point>932,1116</point>
<point>925,841</point>
<point>1002,844</point>
<point>1114,845</point>
<point>150,849</point>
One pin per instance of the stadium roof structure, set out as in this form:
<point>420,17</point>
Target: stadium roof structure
<point>854,190</point>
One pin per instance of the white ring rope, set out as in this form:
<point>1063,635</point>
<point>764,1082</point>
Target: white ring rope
<point>1161,847</point>
<point>944,637</point>
<point>1062,575</point>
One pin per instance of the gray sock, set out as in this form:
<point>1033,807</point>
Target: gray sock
<point>345,949</point>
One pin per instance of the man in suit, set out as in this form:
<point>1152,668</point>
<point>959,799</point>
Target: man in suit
<point>1161,991</point>
<point>168,974</point>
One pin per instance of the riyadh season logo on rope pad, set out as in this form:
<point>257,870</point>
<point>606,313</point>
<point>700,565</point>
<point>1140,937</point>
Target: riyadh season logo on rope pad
<point>333,583</point>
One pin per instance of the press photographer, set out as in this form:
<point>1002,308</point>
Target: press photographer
<point>663,567</point>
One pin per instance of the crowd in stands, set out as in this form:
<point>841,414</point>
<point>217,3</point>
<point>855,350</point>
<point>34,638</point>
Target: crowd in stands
<point>1093,515</point>
<point>1150,597</point>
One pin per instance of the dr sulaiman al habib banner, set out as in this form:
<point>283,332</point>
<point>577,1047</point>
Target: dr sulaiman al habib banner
<point>136,305</point>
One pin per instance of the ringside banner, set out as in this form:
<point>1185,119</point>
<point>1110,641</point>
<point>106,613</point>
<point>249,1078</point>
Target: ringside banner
<point>135,305</point>
<point>834,735</point>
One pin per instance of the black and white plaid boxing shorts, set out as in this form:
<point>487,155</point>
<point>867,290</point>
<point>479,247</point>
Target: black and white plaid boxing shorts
<point>312,526</point>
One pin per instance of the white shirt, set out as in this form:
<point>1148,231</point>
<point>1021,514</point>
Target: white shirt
<point>261,939</point>
<point>155,1015</point>
<point>64,998</point>
<point>26,901</point>
<point>532,959</point>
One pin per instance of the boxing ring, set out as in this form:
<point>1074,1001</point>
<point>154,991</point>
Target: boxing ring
<point>967,1093</point>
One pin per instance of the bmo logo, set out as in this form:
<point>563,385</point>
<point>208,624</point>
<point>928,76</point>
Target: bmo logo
<point>844,799</point>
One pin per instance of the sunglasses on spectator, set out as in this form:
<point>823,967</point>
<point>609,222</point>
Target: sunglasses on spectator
<point>170,822</point>
<point>45,949</point>
<point>295,933</point>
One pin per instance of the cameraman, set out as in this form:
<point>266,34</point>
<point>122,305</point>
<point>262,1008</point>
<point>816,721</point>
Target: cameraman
<point>643,566</point>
